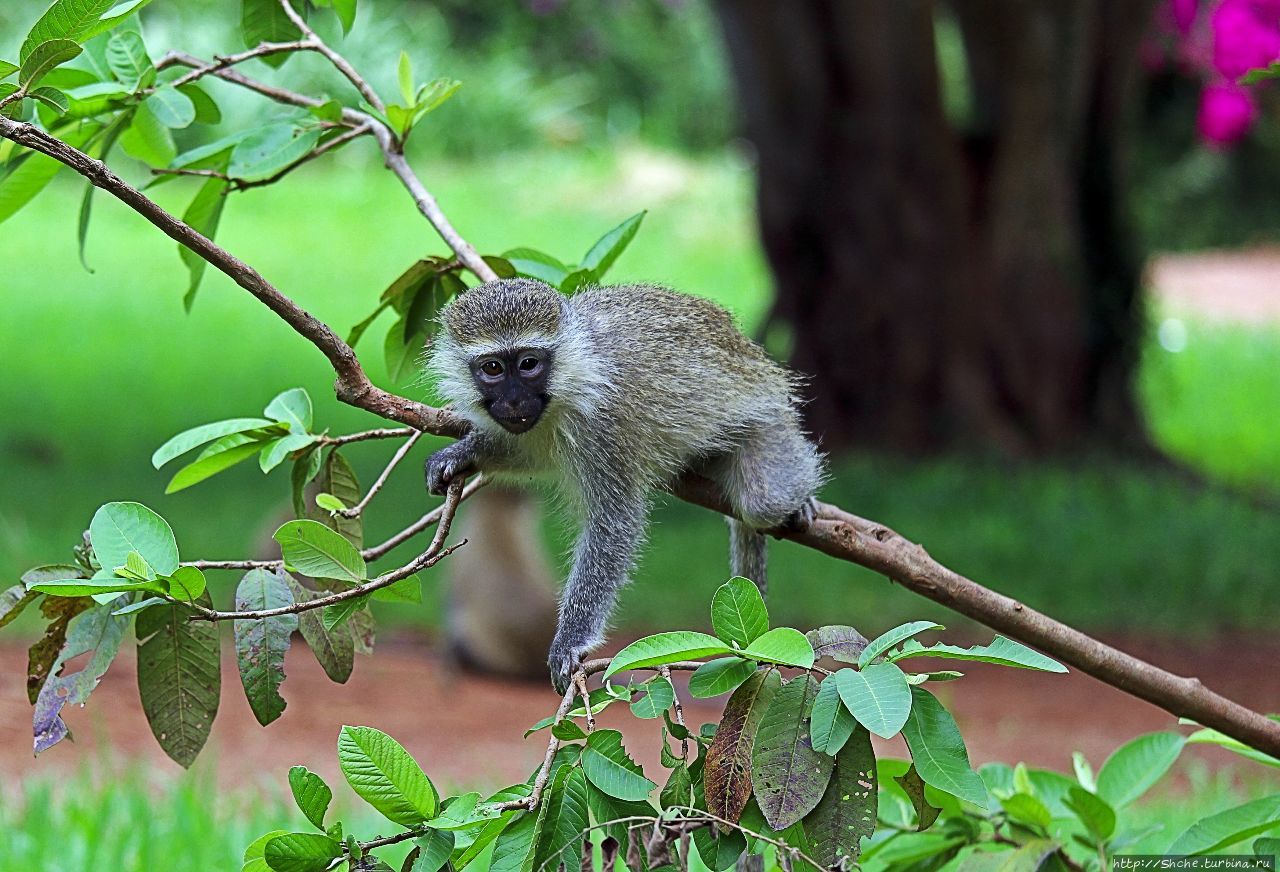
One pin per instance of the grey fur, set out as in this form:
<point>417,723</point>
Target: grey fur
<point>646,384</point>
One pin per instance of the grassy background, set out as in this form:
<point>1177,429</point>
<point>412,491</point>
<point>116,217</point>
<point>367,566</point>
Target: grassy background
<point>103,367</point>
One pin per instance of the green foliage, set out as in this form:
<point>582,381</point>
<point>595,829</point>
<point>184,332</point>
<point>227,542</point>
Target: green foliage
<point>179,677</point>
<point>382,773</point>
<point>261,645</point>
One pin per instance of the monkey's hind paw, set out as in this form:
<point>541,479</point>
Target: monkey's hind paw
<point>802,518</point>
<point>564,662</point>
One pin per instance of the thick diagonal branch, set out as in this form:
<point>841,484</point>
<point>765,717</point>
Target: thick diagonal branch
<point>836,533</point>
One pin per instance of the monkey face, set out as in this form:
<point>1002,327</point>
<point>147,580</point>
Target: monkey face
<point>513,384</point>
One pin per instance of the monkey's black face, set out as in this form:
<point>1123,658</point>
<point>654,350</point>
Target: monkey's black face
<point>514,386</point>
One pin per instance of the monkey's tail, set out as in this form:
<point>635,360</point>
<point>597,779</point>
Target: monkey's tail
<point>748,554</point>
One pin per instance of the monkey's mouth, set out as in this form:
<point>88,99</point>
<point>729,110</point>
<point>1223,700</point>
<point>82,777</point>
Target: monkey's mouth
<point>516,423</point>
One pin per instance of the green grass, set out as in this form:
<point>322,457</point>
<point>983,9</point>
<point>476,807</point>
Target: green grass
<point>101,368</point>
<point>132,821</point>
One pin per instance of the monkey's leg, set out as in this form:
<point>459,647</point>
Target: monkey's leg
<point>602,561</point>
<point>770,480</point>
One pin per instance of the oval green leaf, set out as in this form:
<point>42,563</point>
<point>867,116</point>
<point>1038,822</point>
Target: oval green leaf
<point>781,645</point>
<point>664,648</point>
<point>197,436</point>
<point>118,528</point>
<point>878,697</point>
<point>179,680</point>
<point>301,852</point>
<point>720,676</point>
<point>738,612</point>
<point>1136,765</point>
<point>382,773</point>
<point>1229,827</point>
<point>313,549</point>
<point>887,640</point>
<point>261,645</point>
<point>311,794</point>
<point>938,750</point>
<point>607,766</point>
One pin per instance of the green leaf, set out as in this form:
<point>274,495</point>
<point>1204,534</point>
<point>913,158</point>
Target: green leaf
<point>738,612</point>
<point>339,479</point>
<point>206,109</point>
<point>727,768</point>
<point>7,69</point>
<point>336,616</point>
<point>937,749</point>
<point>719,851</point>
<point>330,503</point>
<point>513,851</point>
<point>788,776</point>
<point>129,62</point>
<point>433,95</point>
<point>658,697</point>
<point>147,139</point>
<point>1028,810</point>
<point>837,642</point>
<point>537,265</point>
<point>608,248</point>
<point>424,305</point>
<point>1098,817</point>
<point>268,150</point>
<point>831,724</point>
<point>254,861</point>
<point>566,821</point>
<point>292,407</point>
<point>46,57</point>
<point>64,19</point>
<point>606,764</point>
<point>678,791</point>
<point>333,649</point>
<point>577,279</point>
<point>781,645</point>
<point>887,640</point>
<point>382,773</point>
<point>261,645</point>
<point>264,21</point>
<point>113,17</point>
<point>406,590</point>
<point>118,528</point>
<point>346,12</point>
<point>719,676</point>
<point>1266,847</point>
<point>401,352</point>
<point>568,731</point>
<point>1001,651</point>
<point>1136,765</point>
<point>313,549</point>
<point>404,75</point>
<point>173,109</point>
<point>53,98</point>
<point>277,451</point>
<point>178,677</point>
<point>73,587</point>
<point>878,697</point>
<point>197,436</point>
<point>301,852</point>
<point>917,792</point>
<point>1213,737</point>
<point>186,583</point>
<point>305,468</point>
<point>96,631</point>
<point>1261,74</point>
<point>847,812</point>
<point>206,466</point>
<point>138,606</point>
<point>664,648</point>
<point>433,851</point>
<point>311,794</point>
<point>1229,827</point>
<point>13,600</point>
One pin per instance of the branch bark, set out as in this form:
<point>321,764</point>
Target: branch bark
<point>836,532</point>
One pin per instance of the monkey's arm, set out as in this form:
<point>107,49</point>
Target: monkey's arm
<point>477,451</point>
<point>602,560</point>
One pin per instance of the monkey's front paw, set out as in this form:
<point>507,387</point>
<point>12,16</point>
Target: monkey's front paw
<point>443,467</point>
<point>802,518</point>
<point>564,660</point>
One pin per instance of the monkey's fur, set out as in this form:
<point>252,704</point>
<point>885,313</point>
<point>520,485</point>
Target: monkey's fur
<point>616,391</point>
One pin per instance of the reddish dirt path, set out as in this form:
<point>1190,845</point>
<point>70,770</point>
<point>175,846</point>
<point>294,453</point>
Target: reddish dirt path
<point>468,731</point>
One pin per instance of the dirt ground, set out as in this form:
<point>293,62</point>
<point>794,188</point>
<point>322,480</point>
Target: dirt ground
<point>466,731</point>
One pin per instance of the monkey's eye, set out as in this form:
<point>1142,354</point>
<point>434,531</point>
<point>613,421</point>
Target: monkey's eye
<point>491,367</point>
<point>528,364</point>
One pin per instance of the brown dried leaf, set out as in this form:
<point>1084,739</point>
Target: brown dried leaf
<point>727,775</point>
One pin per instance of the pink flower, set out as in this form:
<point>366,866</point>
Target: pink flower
<point>1227,111</point>
<point>1184,14</point>
<point>1246,35</point>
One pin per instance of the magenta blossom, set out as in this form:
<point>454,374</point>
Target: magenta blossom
<point>1227,111</point>
<point>1246,35</point>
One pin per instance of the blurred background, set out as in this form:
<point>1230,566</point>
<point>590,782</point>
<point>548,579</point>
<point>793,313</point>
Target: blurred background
<point>1026,252</point>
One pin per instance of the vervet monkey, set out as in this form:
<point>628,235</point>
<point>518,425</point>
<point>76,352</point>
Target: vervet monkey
<point>615,392</point>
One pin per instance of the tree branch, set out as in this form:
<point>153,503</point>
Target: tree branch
<point>222,62</point>
<point>318,44</point>
<point>354,511</point>
<point>384,433</point>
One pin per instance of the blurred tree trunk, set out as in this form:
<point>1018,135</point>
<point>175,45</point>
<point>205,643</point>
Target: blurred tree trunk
<point>949,281</point>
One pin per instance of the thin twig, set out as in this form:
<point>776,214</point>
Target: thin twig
<point>679,710</point>
<point>222,62</point>
<point>354,511</point>
<point>580,682</point>
<point>434,554</point>
<point>234,564</point>
<point>376,551</point>
<point>183,171</point>
<point>383,433</point>
<point>17,95</point>
<point>341,63</point>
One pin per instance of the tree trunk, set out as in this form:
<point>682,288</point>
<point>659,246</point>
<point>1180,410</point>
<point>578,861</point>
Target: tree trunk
<point>949,283</point>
